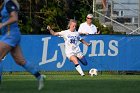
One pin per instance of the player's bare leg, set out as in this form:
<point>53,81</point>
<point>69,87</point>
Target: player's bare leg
<point>77,66</point>
<point>83,60</point>
<point>4,49</point>
<point>0,72</point>
<point>19,59</point>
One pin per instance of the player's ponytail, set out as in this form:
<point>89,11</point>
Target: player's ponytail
<point>1,4</point>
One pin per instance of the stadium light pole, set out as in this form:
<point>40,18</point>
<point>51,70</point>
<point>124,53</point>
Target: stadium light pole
<point>111,12</point>
<point>139,15</point>
<point>94,7</point>
<point>30,8</point>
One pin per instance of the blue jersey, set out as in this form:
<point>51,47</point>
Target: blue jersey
<point>10,34</point>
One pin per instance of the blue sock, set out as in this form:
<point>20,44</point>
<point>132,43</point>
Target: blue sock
<point>30,68</point>
<point>83,61</point>
<point>0,72</point>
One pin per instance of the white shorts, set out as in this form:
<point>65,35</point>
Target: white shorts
<point>78,54</point>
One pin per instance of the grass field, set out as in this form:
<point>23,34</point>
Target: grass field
<point>68,83</point>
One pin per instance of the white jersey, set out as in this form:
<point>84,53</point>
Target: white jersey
<point>85,28</point>
<point>71,42</point>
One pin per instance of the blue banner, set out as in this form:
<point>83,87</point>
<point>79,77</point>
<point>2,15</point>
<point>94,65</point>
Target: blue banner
<point>106,53</point>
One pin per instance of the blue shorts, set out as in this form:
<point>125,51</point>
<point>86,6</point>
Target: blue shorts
<point>11,39</point>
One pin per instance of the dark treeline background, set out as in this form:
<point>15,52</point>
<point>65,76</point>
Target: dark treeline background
<point>35,15</point>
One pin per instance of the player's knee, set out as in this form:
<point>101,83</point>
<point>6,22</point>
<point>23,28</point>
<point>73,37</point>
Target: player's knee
<point>2,55</point>
<point>83,61</point>
<point>20,62</point>
<point>2,58</point>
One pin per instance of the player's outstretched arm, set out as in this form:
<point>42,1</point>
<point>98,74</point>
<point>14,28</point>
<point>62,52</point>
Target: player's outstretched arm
<point>84,42</point>
<point>52,32</point>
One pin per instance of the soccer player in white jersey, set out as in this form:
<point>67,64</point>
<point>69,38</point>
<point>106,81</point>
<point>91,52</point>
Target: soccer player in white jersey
<point>87,27</point>
<point>72,49</point>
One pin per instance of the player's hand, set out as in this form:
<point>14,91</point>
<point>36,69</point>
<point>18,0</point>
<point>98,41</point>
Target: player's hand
<point>88,44</point>
<point>49,28</point>
<point>86,33</point>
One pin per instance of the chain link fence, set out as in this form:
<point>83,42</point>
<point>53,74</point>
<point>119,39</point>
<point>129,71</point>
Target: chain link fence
<point>123,15</point>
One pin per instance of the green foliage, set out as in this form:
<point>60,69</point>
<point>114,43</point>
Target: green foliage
<point>56,13</point>
<point>25,28</point>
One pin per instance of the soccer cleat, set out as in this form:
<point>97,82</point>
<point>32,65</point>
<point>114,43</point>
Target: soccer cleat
<point>41,82</point>
<point>82,74</point>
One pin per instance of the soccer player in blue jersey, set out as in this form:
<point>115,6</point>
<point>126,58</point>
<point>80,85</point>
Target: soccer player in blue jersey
<point>11,38</point>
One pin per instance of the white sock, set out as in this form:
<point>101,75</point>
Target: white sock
<point>79,69</point>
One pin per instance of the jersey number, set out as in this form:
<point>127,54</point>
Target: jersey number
<point>72,41</point>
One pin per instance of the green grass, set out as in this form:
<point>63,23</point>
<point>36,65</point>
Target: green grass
<point>68,83</point>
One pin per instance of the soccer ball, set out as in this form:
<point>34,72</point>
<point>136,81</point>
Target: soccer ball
<point>93,71</point>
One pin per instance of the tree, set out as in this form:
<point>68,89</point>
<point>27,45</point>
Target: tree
<point>35,18</point>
